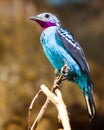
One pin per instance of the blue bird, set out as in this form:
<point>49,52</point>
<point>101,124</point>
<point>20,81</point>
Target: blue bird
<point>61,47</point>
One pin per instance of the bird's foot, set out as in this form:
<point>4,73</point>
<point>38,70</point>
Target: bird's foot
<point>65,70</point>
<point>60,77</point>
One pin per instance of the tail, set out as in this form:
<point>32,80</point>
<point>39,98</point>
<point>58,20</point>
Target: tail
<point>90,104</point>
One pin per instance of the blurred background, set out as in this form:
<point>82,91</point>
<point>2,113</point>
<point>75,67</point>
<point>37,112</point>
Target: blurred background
<point>24,67</point>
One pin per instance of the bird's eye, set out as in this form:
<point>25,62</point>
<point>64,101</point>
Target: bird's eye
<point>47,15</point>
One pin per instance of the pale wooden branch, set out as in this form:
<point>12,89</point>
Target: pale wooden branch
<point>54,89</point>
<point>57,100</point>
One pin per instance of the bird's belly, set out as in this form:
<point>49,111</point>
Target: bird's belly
<point>58,56</point>
<point>55,58</point>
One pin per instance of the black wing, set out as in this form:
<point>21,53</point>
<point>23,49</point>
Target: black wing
<point>73,47</point>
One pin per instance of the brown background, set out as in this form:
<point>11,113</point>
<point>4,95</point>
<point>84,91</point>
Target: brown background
<point>24,67</point>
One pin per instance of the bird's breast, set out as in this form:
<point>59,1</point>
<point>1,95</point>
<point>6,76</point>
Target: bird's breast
<point>51,47</point>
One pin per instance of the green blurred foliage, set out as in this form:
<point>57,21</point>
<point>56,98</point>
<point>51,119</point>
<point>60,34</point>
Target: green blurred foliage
<point>24,67</point>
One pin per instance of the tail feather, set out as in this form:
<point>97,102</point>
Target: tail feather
<point>90,104</point>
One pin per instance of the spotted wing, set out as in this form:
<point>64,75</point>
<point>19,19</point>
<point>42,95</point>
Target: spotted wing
<point>73,47</point>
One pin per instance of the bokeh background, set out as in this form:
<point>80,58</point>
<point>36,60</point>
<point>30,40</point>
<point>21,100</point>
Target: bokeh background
<point>24,67</point>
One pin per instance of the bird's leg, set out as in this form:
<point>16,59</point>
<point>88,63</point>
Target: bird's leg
<point>58,80</point>
<point>65,70</point>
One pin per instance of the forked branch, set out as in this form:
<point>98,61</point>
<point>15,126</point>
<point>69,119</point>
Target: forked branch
<point>56,98</point>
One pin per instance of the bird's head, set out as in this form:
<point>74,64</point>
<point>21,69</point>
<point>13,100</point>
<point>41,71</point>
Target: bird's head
<point>46,20</point>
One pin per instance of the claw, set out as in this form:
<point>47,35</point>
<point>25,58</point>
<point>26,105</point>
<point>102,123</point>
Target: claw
<point>65,70</point>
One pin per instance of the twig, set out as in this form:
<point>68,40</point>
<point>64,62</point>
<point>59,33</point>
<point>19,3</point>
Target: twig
<point>40,114</point>
<point>31,106</point>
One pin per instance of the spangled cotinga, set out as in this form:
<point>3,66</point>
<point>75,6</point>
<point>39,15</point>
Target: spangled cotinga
<point>60,47</point>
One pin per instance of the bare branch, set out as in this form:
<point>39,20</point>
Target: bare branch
<point>56,98</point>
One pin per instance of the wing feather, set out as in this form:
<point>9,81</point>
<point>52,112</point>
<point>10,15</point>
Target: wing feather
<point>73,47</point>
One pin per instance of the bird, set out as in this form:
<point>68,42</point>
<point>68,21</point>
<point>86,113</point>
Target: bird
<point>61,47</point>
